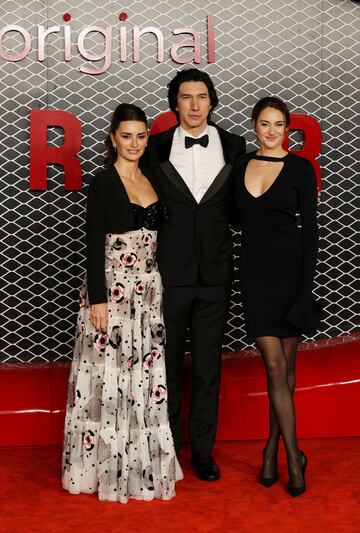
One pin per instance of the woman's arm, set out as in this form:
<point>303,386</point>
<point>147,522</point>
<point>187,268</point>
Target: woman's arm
<point>95,251</point>
<point>307,198</point>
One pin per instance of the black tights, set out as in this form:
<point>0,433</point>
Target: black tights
<point>280,358</point>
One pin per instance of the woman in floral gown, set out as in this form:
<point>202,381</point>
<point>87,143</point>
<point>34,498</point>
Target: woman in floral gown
<point>117,437</point>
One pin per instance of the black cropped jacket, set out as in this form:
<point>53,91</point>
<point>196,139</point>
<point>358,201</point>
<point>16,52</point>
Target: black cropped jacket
<point>108,211</point>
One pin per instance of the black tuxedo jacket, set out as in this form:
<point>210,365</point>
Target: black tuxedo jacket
<point>195,242</point>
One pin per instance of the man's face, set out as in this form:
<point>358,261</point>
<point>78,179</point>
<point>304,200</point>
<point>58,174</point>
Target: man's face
<point>193,106</point>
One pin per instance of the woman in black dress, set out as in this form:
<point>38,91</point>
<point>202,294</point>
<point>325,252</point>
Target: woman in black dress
<point>117,438</point>
<point>277,267</point>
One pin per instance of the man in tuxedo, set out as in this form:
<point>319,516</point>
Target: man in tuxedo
<point>192,165</point>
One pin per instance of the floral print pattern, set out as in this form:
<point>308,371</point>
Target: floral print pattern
<point>146,239</point>
<point>147,361</point>
<point>100,342</point>
<point>158,333</point>
<point>117,292</point>
<point>140,287</point>
<point>89,440</point>
<point>158,394</point>
<point>117,439</point>
<point>128,259</point>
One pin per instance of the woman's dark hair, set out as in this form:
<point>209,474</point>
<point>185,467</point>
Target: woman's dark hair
<point>122,113</point>
<point>270,101</point>
<point>190,74</point>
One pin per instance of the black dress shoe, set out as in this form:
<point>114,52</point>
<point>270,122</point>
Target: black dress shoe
<point>298,490</point>
<point>205,467</point>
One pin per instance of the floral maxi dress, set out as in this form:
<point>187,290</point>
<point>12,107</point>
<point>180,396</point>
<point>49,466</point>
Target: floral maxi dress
<point>117,438</point>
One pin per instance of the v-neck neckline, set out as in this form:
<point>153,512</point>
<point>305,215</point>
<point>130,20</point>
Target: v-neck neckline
<point>127,194</point>
<point>265,158</point>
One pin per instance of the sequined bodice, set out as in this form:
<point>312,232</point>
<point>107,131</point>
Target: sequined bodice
<point>149,217</point>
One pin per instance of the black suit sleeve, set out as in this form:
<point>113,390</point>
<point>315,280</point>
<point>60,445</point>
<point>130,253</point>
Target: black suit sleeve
<point>237,175</point>
<point>145,158</point>
<point>150,155</point>
<point>234,217</point>
<point>95,239</point>
<point>240,146</point>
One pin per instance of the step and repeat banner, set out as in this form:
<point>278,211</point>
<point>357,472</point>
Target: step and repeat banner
<point>84,57</point>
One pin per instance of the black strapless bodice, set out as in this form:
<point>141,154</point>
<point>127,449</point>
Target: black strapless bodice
<point>149,217</point>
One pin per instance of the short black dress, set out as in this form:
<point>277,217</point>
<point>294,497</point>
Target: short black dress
<point>277,257</point>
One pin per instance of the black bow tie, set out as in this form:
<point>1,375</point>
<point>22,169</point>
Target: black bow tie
<point>203,141</point>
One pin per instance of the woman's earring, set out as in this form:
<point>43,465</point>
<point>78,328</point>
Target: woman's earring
<point>114,146</point>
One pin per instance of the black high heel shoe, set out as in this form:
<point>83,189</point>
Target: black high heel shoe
<point>297,491</point>
<point>267,481</point>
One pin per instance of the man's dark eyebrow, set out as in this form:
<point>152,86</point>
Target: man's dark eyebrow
<point>199,94</point>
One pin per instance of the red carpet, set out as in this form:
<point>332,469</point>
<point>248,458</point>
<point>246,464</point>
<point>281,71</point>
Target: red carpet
<point>32,500</point>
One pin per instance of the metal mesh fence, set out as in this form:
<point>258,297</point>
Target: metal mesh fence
<point>306,52</point>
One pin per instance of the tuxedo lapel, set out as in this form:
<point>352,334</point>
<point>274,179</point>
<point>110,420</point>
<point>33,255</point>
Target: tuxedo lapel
<point>165,143</point>
<point>226,143</point>
<point>166,138</point>
<point>175,178</point>
<point>220,179</point>
<point>217,183</point>
<point>164,149</point>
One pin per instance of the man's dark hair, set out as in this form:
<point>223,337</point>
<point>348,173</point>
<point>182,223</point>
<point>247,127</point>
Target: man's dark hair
<point>190,74</point>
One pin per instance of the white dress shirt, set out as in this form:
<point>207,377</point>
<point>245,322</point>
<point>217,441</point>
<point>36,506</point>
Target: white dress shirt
<point>198,166</point>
